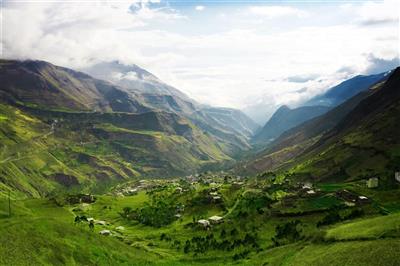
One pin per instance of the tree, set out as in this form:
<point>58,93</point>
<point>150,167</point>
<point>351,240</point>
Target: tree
<point>287,233</point>
<point>186,248</point>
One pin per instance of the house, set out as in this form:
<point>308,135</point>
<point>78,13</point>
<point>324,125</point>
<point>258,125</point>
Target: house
<point>237,184</point>
<point>203,223</point>
<point>105,232</point>
<point>216,199</point>
<point>373,182</point>
<point>132,191</point>
<point>310,192</point>
<point>216,219</point>
<point>397,176</point>
<point>120,228</point>
<point>100,222</point>
<point>362,199</point>
<point>307,186</point>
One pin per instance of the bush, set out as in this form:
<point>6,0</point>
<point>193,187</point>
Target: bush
<point>287,233</point>
<point>331,218</point>
<point>160,212</point>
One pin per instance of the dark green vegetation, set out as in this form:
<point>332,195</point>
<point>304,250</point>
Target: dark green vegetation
<point>75,150</point>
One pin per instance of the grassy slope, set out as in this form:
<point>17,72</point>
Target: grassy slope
<point>43,234</point>
<point>373,228</point>
<point>31,155</point>
<point>370,149</point>
<point>95,156</point>
<point>379,252</point>
<point>366,241</point>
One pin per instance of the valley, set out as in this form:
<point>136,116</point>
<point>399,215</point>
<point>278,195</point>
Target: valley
<point>94,173</point>
<point>259,221</point>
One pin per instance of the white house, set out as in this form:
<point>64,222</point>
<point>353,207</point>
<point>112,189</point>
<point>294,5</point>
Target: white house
<point>105,232</point>
<point>100,222</point>
<point>204,223</point>
<point>216,219</point>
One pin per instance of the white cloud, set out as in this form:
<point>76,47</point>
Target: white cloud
<point>277,11</point>
<point>377,13</point>
<point>200,8</point>
<point>236,63</point>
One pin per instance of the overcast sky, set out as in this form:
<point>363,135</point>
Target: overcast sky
<point>225,53</point>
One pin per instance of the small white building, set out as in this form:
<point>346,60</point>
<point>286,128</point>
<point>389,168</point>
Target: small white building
<point>105,232</point>
<point>100,222</point>
<point>204,223</point>
<point>216,219</point>
<point>307,185</point>
<point>216,199</point>
<point>310,192</point>
<point>132,191</point>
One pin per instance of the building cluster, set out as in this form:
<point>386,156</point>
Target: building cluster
<point>213,220</point>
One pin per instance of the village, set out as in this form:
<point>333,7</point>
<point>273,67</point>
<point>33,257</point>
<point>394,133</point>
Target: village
<point>210,203</point>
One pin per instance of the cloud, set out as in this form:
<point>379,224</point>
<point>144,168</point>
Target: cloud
<point>200,8</point>
<point>376,13</point>
<point>380,65</point>
<point>229,61</point>
<point>302,78</point>
<point>131,76</point>
<point>78,35</point>
<point>378,21</point>
<point>277,11</point>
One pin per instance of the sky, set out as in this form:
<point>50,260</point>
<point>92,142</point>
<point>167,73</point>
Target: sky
<point>251,55</point>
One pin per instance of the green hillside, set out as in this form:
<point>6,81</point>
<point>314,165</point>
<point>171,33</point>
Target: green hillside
<point>90,151</point>
<point>364,144</point>
<point>264,223</point>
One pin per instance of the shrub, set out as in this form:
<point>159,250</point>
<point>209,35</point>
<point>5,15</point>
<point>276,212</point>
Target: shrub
<point>287,233</point>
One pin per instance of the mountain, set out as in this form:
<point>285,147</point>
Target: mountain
<point>62,129</point>
<point>347,89</point>
<point>285,118</point>
<point>234,119</point>
<point>230,126</point>
<point>363,144</point>
<point>133,78</point>
<point>297,140</point>
<point>145,85</point>
<point>44,85</point>
<point>260,112</point>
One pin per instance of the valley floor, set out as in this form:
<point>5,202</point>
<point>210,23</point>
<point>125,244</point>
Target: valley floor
<point>256,230</point>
